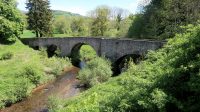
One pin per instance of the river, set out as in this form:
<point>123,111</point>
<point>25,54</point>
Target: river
<point>65,86</point>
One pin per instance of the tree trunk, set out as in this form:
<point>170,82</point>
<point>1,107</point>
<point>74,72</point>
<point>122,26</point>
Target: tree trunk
<point>37,34</point>
<point>41,35</point>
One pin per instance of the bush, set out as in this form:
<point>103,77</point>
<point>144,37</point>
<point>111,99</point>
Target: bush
<point>33,73</point>
<point>57,65</point>
<point>6,56</point>
<point>54,103</point>
<point>15,89</point>
<point>11,21</point>
<point>97,70</point>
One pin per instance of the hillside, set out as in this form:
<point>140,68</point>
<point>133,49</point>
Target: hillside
<point>64,13</point>
<point>59,13</point>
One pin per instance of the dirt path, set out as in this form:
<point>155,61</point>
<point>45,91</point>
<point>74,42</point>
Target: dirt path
<point>64,86</point>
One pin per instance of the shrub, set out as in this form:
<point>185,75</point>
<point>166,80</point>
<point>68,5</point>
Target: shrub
<point>57,65</point>
<point>33,73</point>
<point>97,70</point>
<point>54,103</point>
<point>15,89</point>
<point>43,53</point>
<point>6,56</point>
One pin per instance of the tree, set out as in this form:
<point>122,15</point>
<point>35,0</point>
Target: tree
<point>39,17</point>
<point>118,14</point>
<point>162,19</point>
<point>78,26</point>
<point>11,21</point>
<point>61,25</point>
<point>100,21</point>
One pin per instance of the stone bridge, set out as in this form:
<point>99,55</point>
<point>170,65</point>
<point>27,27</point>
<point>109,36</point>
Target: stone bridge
<point>112,49</point>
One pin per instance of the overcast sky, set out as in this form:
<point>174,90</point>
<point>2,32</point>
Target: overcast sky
<point>83,6</point>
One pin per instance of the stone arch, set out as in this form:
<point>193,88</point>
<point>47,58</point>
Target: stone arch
<point>75,51</point>
<point>120,62</point>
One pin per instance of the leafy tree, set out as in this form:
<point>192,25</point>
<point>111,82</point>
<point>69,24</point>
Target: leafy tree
<point>100,21</point>
<point>136,29</point>
<point>124,26</point>
<point>39,17</point>
<point>11,21</point>
<point>162,18</point>
<point>118,14</point>
<point>61,25</point>
<point>78,26</point>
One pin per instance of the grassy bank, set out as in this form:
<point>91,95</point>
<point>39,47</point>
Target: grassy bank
<point>22,69</point>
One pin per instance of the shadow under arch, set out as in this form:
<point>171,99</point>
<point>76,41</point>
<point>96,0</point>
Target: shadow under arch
<point>51,50</point>
<point>121,64</point>
<point>75,53</point>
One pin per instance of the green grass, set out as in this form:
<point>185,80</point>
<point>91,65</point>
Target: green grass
<point>27,34</point>
<point>61,35</point>
<point>30,34</point>
<point>25,70</point>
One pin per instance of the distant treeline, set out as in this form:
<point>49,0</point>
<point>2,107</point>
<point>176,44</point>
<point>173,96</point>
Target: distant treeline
<point>156,19</point>
<point>103,21</point>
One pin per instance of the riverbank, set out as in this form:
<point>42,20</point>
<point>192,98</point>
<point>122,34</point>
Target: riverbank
<point>22,69</point>
<point>65,86</point>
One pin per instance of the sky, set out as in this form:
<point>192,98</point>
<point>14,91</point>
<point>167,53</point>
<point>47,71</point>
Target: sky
<point>84,6</point>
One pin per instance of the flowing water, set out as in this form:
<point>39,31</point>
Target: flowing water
<point>63,87</point>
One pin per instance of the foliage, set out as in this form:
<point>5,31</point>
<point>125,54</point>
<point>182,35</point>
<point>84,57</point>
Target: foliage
<point>100,21</point>
<point>39,17</point>
<point>87,52</point>
<point>167,81</point>
<point>78,27</point>
<point>96,71</point>
<point>33,73</point>
<point>161,19</point>
<point>61,25</point>
<point>54,103</point>
<point>57,65</point>
<point>11,25</point>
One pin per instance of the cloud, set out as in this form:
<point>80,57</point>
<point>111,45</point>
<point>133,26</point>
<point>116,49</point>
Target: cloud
<point>133,6</point>
<point>21,4</point>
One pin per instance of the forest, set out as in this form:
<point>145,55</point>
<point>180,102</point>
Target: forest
<point>166,80</point>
